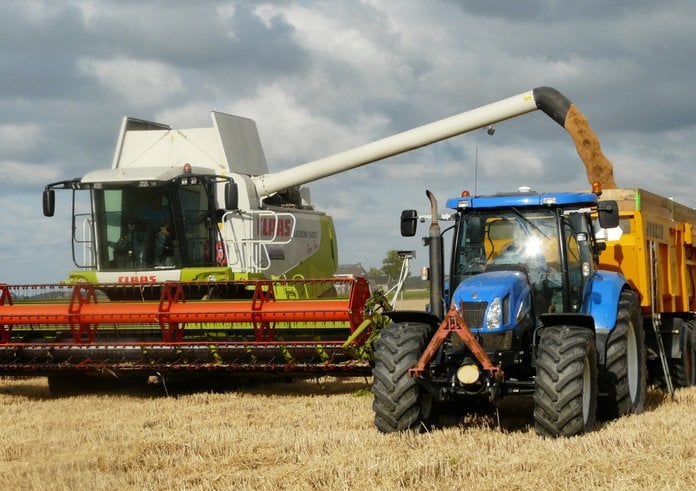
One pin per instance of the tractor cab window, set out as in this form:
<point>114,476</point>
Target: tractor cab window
<point>580,258</point>
<point>575,277</point>
<point>513,239</point>
<point>471,251</point>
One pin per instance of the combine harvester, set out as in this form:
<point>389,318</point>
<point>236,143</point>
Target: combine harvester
<point>192,257</point>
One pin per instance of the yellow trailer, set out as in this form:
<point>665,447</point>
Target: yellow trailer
<point>654,247</point>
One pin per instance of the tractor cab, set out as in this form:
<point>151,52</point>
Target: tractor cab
<point>522,256</point>
<point>550,248</point>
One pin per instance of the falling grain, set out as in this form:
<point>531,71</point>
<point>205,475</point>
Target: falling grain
<point>597,166</point>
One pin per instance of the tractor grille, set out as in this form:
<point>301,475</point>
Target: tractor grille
<point>473,313</point>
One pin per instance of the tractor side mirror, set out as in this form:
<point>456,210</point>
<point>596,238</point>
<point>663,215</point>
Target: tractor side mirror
<point>49,202</point>
<point>608,214</point>
<point>231,196</point>
<point>409,223</point>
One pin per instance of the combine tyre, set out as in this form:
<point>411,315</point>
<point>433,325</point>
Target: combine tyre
<point>623,382</point>
<point>400,402</point>
<point>565,395</point>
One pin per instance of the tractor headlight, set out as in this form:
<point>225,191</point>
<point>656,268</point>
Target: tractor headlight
<point>495,314</point>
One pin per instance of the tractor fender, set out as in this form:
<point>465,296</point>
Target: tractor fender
<point>579,320</point>
<point>413,316</point>
<point>603,299</point>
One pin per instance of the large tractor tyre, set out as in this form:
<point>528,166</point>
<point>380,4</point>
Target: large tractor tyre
<point>684,369</point>
<point>565,389</point>
<point>623,378</point>
<point>400,403</point>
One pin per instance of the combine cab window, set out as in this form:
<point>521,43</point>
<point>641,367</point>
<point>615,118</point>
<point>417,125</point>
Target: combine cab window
<point>199,229</point>
<point>135,229</point>
<point>154,227</point>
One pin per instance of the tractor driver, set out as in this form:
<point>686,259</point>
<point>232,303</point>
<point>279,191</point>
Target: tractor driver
<point>527,248</point>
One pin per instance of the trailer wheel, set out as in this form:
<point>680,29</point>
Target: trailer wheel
<point>623,378</point>
<point>685,368</point>
<point>565,389</point>
<point>400,403</point>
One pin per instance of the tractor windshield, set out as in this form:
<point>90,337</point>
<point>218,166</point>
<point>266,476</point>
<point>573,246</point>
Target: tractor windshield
<point>552,246</point>
<point>509,239</point>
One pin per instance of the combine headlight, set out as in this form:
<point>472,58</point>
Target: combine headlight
<point>494,316</point>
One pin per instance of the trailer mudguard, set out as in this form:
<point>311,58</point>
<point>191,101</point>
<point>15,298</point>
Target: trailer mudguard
<point>603,300</point>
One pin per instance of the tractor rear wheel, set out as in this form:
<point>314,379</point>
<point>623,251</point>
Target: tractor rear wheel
<point>400,403</point>
<point>565,389</point>
<point>684,369</point>
<point>623,378</point>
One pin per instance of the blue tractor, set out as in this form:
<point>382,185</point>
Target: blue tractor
<point>526,312</point>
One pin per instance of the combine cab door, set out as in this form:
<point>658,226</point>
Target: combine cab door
<point>83,241</point>
<point>199,229</point>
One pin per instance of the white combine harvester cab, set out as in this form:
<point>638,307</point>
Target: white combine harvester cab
<point>180,204</point>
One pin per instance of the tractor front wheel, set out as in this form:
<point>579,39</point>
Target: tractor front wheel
<point>400,403</point>
<point>565,391</point>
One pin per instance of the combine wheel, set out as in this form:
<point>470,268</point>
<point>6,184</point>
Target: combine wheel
<point>565,393</point>
<point>684,370</point>
<point>400,403</point>
<point>623,380</point>
<point>68,384</point>
<point>73,384</point>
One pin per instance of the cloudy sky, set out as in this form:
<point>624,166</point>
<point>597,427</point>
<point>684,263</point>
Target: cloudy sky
<point>320,77</point>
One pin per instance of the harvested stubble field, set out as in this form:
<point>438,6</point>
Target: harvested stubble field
<point>319,434</point>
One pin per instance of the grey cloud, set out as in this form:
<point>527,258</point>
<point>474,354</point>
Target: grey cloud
<point>386,66</point>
